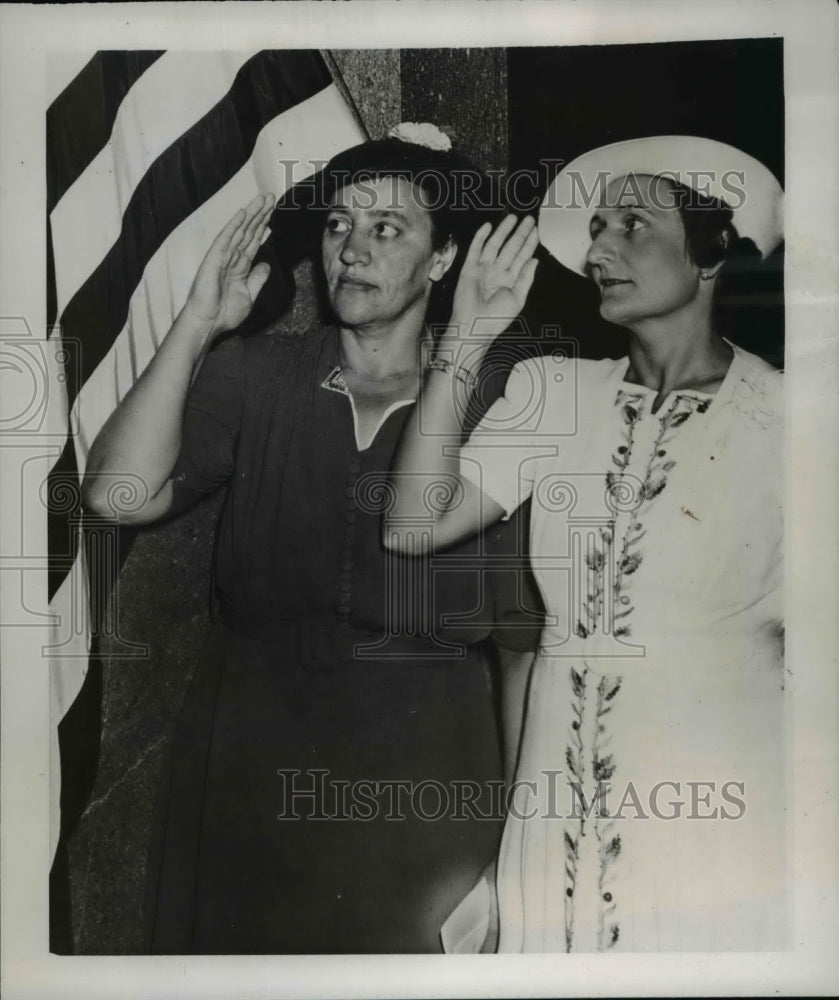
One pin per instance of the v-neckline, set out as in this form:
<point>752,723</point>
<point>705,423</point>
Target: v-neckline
<point>336,382</point>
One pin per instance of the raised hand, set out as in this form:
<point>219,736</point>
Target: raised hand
<point>226,284</point>
<point>496,276</point>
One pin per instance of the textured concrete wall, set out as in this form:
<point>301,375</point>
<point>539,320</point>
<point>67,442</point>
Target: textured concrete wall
<point>372,79</point>
<point>464,91</point>
<point>163,589</point>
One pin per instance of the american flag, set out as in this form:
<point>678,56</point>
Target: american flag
<point>148,154</point>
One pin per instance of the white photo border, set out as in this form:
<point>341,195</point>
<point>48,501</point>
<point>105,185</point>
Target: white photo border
<point>30,34</point>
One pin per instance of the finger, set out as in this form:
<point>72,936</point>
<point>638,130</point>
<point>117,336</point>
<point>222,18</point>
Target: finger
<point>526,252</point>
<point>259,232</point>
<point>516,242</point>
<point>495,242</point>
<point>477,245</point>
<point>253,213</point>
<point>524,282</point>
<point>241,254</point>
<point>221,244</point>
<point>257,278</point>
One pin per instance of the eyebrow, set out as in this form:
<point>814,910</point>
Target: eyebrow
<point>379,213</point>
<point>631,204</point>
<point>622,207</point>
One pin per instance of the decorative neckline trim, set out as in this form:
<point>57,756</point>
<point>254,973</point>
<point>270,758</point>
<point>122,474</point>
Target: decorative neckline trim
<point>335,381</point>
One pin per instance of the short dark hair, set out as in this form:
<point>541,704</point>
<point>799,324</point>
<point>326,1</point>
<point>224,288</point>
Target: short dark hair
<point>711,238</point>
<point>460,197</point>
<point>709,231</point>
<point>458,193</point>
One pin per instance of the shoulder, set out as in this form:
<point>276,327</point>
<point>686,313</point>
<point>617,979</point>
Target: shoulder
<point>276,347</point>
<point>554,369</point>
<point>563,381</point>
<point>549,392</point>
<point>757,393</point>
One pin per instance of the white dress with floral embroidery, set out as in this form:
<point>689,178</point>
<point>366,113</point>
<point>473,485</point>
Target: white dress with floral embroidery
<point>649,805</point>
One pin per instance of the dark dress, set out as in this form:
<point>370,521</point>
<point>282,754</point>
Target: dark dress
<point>333,669</point>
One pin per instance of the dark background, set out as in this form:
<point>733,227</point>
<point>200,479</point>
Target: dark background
<point>564,102</point>
<point>507,109</point>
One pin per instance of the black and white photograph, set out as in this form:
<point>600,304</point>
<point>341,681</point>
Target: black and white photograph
<point>419,530</point>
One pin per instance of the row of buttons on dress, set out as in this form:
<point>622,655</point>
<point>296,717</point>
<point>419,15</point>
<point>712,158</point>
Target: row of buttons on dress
<point>350,517</point>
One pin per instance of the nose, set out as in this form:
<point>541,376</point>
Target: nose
<point>355,248</point>
<point>602,249</point>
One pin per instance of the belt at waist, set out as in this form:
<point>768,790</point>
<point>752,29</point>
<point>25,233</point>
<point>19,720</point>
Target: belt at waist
<point>322,644</point>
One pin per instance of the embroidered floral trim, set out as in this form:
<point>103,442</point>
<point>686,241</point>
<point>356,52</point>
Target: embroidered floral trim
<point>608,842</point>
<point>595,781</point>
<point>574,759</point>
<point>655,481</point>
<point>597,562</point>
<point>589,756</point>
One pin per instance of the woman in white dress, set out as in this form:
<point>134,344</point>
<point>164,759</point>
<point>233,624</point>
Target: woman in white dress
<point>648,810</point>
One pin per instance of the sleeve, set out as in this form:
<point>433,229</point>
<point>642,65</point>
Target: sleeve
<point>211,425</point>
<point>520,428</point>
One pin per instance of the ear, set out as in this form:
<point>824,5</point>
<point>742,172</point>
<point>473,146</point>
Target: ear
<point>443,260</point>
<point>707,273</point>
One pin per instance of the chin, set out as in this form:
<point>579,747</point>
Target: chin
<point>612,313</point>
<point>350,314</point>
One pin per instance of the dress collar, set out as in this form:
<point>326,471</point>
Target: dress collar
<point>333,378</point>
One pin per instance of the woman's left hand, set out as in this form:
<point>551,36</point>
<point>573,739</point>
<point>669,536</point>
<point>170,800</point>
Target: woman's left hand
<point>495,278</point>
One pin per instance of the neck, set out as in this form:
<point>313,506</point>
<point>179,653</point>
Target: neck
<point>667,354</point>
<point>383,351</point>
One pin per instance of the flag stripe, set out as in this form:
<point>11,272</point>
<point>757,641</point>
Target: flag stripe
<point>80,119</point>
<point>188,173</point>
<point>62,69</point>
<point>168,275</point>
<point>52,303</point>
<point>62,481</point>
<point>173,94</point>
<point>130,221</point>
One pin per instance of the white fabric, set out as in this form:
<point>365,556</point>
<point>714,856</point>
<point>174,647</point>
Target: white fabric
<point>689,564</point>
<point>710,167</point>
<point>173,94</point>
<point>465,929</point>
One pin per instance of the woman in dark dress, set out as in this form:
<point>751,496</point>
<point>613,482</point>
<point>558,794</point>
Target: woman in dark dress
<point>339,740</point>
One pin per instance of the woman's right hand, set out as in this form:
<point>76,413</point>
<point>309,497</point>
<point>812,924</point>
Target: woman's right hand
<point>226,285</point>
<point>496,276</point>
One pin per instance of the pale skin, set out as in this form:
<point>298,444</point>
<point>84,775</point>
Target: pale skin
<point>650,285</point>
<point>380,267</point>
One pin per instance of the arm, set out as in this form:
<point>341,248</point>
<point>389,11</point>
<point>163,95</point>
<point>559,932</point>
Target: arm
<point>142,437</point>
<point>496,276</point>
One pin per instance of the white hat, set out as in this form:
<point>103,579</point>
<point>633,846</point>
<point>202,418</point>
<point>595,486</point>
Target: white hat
<point>709,167</point>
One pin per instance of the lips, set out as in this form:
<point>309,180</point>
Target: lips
<point>354,284</point>
<point>608,285</point>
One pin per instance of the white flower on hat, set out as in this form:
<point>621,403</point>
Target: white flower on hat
<point>421,133</point>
